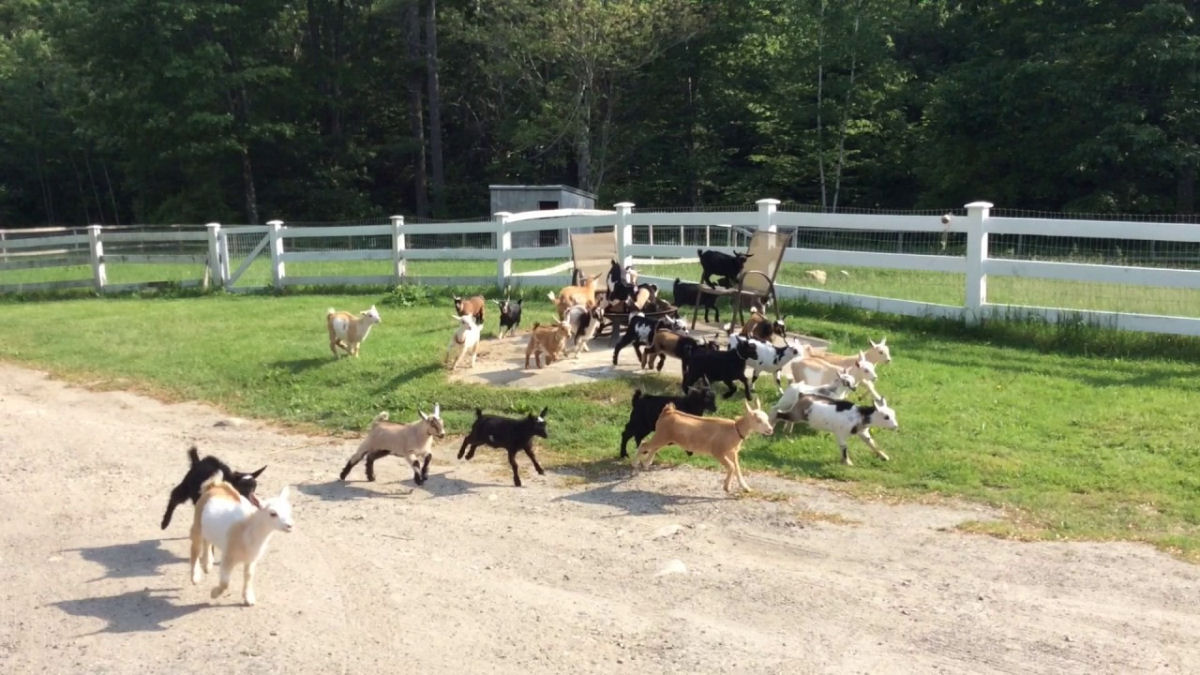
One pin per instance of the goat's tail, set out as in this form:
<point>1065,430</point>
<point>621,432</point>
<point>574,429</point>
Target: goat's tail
<point>194,455</point>
<point>668,408</point>
<point>381,417</point>
<point>700,252</point>
<point>478,413</point>
<point>552,296</point>
<point>637,394</point>
<point>330,312</point>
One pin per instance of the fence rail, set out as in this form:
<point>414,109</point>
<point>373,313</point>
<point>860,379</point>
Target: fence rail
<point>1037,262</point>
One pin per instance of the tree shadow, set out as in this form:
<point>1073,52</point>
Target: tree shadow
<point>634,502</point>
<point>140,559</point>
<point>133,612</point>
<point>297,366</point>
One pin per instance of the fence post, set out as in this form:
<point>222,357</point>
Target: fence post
<point>276,234</point>
<point>624,233</point>
<point>96,250</point>
<point>3,247</point>
<point>977,255</point>
<point>214,255</point>
<point>766,213</point>
<point>503,249</point>
<point>399,266</point>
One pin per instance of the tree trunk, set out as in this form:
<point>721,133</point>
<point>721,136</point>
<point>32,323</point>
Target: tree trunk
<point>821,100</point>
<point>435,109</point>
<point>841,160</point>
<point>416,118</point>
<point>249,192</point>
<point>1185,199</point>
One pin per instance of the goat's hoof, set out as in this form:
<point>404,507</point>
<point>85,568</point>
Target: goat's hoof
<point>250,600</point>
<point>216,592</point>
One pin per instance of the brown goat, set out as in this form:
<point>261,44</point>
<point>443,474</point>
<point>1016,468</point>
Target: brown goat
<point>472,306</point>
<point>721,438</point>
<point>584,295</point>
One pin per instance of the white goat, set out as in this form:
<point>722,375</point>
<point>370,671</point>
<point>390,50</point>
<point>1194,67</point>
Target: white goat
<point>348,331</point>
<point>412,442</point>
<point>815,370</point>
<point>845,419</point>
<point>877,354</point>
<point>839,389</point>
<point>765,357</point>
<point>227,520</point>
<point>464,342</point>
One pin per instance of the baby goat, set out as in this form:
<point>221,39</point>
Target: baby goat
<point>844,419</point>
<point>645,409</point>
<point>241,530</point>
<point>765,357</point>
<point>640,331</point>
<point>464,343</point>
<point>815,370</point>
<point>688,294</point>
<point>714,436</point>
<point>583,294</point>
<point>549,340</point>
<point>472,306</point>
<point>510,316</point>
<point>721,265</point>
<point>718,366</point>
<point>200,471</point>
<point>839,389</point>
<point>348,331</point>
<point>877,354</point>
<point>506,433</point>
<point>410,441</point>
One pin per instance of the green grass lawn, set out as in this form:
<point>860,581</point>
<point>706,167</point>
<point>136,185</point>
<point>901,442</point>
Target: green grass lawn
<point>1080,434</point>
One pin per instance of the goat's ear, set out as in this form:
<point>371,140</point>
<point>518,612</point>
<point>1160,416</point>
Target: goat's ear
<point>519,301</point>
<point>424,417</point>
<point>283,494</point>
<point>437,409</point>
<point>456,318</point>
<point>256,473</point>
<point>757,403</point>
<point>496,301</point>
<point>544,411</point>
<point>862,354</point>
<point>748,408</point>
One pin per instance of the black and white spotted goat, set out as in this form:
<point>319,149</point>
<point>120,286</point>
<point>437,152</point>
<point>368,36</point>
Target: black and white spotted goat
<point>640,332</point>
<point>765,357</point>
<point>844,419</point>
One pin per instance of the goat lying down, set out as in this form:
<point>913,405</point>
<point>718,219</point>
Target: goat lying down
<point>412,442</point>
<point>721,438</point>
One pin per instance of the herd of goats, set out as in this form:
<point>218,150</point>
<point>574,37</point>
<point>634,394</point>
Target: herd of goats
<point>229,516</point>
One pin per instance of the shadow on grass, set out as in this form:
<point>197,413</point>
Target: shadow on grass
<point>408,376</point>
<point>139,559</point>
<point>297,366</point>
<point>133,612</point>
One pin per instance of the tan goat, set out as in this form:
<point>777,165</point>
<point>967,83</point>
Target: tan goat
<point>877,354</point>
<point>348,331</point>
<point>714,436</point>
<point>584,295</point>
<point>472,306</point>
<point>549,339</point>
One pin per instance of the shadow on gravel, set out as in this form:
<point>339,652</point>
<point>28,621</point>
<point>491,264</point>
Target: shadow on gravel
<point>343,491</point>
<point>133,612</point>
<point>139,559</point>
<point>634,502</point>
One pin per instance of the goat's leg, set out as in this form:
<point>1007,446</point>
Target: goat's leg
<point>226,572</point>
<point>194,557</point>
<point>626,434</point>
<point>463,449</point>
<point>626,337</point>
<point>733,388</point>
<point>207,553</point>
<point>371,457</point>
<point>178,496</point>
<point>474,350</point>
<point>512,461</point>
<point>645,453</point>
<point>248,587</point>
<point>845,452</point>
<point>425,467</point>
<point>533,458</point>
<point>354,459</point>
<point>746,386</point>
<point>730,470</point>
<point>737,465</point>
<point>865,435</point>
<point>416,467</point>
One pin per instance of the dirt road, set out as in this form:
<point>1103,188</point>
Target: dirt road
<point>608,573</point>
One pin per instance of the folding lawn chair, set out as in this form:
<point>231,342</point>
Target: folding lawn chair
<point>592,254</point>
<point>757,280</point>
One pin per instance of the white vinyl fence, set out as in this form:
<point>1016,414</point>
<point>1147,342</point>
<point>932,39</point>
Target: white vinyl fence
<point>920,266</point>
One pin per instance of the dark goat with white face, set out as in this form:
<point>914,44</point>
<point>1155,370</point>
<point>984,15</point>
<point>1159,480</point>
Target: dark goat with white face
<point>721,265</point>
<point>510,316</point>
<point>200,471</point>
<point>509,434</point>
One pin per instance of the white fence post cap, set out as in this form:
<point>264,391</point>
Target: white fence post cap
<point>979,205</point>
<point>769,201</point>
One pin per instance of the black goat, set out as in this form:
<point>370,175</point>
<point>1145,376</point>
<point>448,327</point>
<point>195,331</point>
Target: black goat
<point>510,316</point>
<point>506,433</point>
<point>685,293</point>
<point>646,408</point>
<point>722,265</point>
<point>640,331</point>
<point>200,471</point>
<point>718,366</point>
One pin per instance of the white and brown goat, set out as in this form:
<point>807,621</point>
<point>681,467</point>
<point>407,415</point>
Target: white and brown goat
<point>348,331</point>
<point>228,521</point>
<point>411,442</point>
<point>716,436</point>
<point>464,343</point>
<point>845,419</point>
